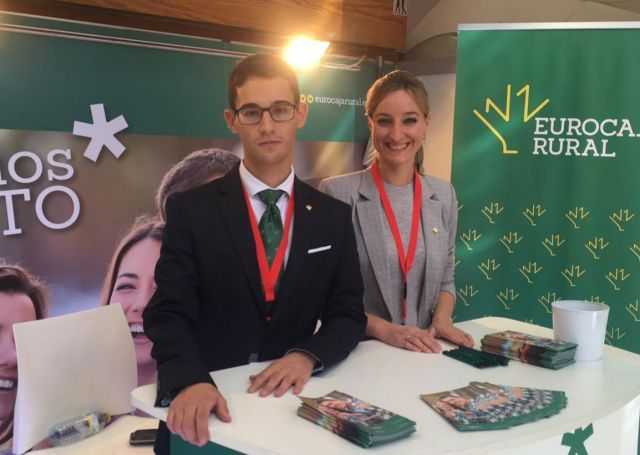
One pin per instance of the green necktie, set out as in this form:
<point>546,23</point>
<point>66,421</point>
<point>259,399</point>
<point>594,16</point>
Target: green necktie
<point>271,224</point>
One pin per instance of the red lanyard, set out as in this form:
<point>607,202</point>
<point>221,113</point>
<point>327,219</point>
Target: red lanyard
<point>405,261</point>
<point>269,275</point>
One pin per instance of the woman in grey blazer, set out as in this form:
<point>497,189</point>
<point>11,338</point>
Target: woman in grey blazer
<point>405,223</point>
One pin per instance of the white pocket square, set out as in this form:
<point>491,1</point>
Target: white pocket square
<point>320,248</point>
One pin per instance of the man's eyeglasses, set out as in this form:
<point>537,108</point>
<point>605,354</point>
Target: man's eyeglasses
<point>250,115</point>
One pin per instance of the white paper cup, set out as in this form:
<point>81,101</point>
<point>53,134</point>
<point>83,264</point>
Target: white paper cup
<point>581,322</point>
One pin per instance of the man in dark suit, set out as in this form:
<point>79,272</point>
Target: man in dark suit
<point>250,263</point>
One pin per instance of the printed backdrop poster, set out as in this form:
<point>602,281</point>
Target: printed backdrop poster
<point>546,164</point>
<point>93,117</point>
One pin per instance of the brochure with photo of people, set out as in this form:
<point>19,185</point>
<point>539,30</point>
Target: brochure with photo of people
<point>486,406</point>
<point>360,422</point>
<point>535,350</point>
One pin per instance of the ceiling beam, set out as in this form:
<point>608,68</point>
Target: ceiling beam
<point>354,27</point>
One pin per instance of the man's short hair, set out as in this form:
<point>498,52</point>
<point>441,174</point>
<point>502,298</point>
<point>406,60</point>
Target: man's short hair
<point>195,169</point>
<point>265,66</point>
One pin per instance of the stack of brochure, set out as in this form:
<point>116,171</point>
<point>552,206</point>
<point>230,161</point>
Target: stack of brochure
<point>526,348</point>
<point>486,406</point>
<point>353,419</point>
<point>476,358</point>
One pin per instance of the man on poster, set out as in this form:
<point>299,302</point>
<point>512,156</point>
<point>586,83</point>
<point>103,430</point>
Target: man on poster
<point>250,263</point>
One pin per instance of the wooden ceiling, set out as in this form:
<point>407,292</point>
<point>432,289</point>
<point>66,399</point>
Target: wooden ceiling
<point>354,27</point>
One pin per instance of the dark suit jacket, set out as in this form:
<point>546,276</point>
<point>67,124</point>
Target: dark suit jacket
<point>208,312</point>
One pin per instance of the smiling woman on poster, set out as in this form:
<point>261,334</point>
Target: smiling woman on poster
<point>405,223</point>
<point>130,283</point>
<point>130,280</point>
<point>23,298</point>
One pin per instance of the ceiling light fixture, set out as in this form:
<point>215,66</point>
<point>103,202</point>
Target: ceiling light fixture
<point>304,52</point>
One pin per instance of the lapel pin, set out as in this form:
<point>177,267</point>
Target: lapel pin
<point>435,230</point>
<point>308,207</point>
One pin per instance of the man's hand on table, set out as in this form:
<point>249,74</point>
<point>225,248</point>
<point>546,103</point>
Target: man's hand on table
<point>292,370</point>
<point>189,412</point>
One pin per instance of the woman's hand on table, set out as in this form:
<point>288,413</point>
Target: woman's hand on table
<point>444,328</point>
<point>401,336</point>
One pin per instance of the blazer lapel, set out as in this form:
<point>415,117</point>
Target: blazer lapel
<point>433,233</point>
<point>371,218</point>
<point>236,217</point>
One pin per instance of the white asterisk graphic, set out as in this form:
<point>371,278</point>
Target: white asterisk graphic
<point>101,132</point>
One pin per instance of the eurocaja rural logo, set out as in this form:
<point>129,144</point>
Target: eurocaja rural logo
<point>335,100</point>
<point>565,136</point>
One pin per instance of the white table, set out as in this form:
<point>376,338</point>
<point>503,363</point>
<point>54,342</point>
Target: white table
<point>605,393</point>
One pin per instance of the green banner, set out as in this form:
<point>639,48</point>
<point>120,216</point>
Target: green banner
<point>166,84</point>
<point>546,164</point>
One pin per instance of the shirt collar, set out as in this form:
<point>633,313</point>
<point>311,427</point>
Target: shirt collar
<point>253,185</point>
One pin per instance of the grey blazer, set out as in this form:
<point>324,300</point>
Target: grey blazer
<point>439,222</point>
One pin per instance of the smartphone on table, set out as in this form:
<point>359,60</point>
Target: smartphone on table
<point>143,437</point>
